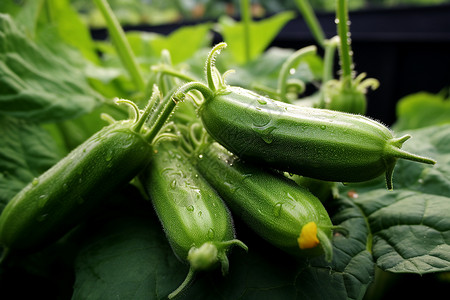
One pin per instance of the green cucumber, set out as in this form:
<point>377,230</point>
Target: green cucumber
<point>196,222</point>
<point>64,195</point>
<point>275,207</point>
<point>318,143</point>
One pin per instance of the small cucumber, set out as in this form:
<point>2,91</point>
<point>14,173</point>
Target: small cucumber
<point>196,222</point>
<point>317,143</point>
<point>276,208</point>
<point>73,188</point>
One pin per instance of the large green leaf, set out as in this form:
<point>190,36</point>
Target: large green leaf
<point>410,226</point>
<point>26,151</point>
<point>261,33</point>
<point>128,257</point>
<point>181,43</point>
<point>37,85</point>
<point>421,110</point>
<point>70,27</point>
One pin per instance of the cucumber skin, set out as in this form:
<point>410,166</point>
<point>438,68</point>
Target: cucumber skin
<point>318,143</point>
<point>73,188</point>
<point>188,208</point>
<point>275,207</point>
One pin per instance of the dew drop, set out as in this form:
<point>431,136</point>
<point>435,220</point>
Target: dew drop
<point>42,217</point>
<point>42,200</point>
<point>200,156</point>
<point>108,155</point>
<point>211,233</point>
<point>265,132</point>
<point>277,209</point>
<point>231,187</point>
<point>323,127</point>
<point>199,213</point>
<point>336,21</point>
<point>190,208</point>
<point>35,182</point>
<point>262,101</point>
<point>292,71</point>
<point>173,184</point>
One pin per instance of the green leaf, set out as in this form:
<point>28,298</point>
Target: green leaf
<point>26,151</point>
<point>262,34</point>
<point>421,110</point>
<point>25,13</point>
<point>182,43</point>
<point>37,85</point>
<point>128,256</point>
<point>410,227</point>
<point>71,28</point>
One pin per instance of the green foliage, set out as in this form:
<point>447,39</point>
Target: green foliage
<point>409,226</point>
<point>50,73</point>
<point>421,110</point>
<point>148,46</point>
<point>261,34</point>
<point>37,85</point>
<point>26,151</point>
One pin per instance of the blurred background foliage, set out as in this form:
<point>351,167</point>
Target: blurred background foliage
<point>155,12</point>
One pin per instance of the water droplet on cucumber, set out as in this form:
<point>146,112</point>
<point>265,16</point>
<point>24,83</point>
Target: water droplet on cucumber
<point>211,233</point>
<point>277,209</point>
<point>42,200</point>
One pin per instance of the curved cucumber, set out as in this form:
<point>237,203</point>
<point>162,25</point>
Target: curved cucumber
<point>73,188</point>
<point>275,207</point>
<point>318,143</point>
<point>195,220</point>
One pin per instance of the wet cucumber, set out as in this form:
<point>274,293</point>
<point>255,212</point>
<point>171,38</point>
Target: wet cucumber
<point>197,223</point>
<point>312,142</point>
<point>73,188</point>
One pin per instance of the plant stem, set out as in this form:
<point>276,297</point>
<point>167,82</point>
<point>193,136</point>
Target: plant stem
<point>287,65</point>
<point>328,61</point>
<point>120,42</point>
<point>343,32</point>
<point>311,21</point>
<point>246,18</point>
<point>159,117</point>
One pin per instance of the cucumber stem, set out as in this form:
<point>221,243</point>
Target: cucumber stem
<point>148,109</point>
<point>187,281</point>
<point>180,94</point>
<point>330,49</point>
<point>287,65</point>
<point>343,32</point>
<point>160,116</point>
<point>392,152</point>
<point>311,21</point>
<point>210,64</point>
<point>166,70</point>
<point>121,44</point>
<point>326,244</point>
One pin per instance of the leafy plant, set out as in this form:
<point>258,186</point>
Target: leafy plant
<point>52,91</point>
